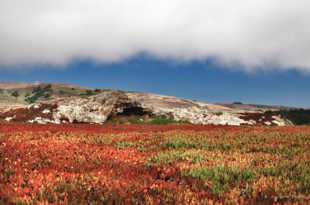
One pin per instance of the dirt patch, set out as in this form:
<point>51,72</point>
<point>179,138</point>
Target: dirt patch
<point>259,118</point>
<point>25,114</point>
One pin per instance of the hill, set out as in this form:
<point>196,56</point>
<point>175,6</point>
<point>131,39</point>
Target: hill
<point>60,103</point>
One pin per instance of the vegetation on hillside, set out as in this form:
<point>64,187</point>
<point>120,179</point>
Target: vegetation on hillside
<point>15,93</point>
<point>296,116</point>
<point>140,120</point>
<point>39,93</point>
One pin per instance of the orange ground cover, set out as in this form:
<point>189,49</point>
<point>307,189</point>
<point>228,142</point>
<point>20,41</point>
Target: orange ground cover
<point>148,164</point>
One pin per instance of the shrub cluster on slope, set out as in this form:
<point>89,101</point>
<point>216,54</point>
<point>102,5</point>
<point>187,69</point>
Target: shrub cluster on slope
<point>39,92</point>
<point>296,116</point>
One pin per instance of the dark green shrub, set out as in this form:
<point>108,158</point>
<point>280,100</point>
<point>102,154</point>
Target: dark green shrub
<point>177,143</point>
<point>39,92</point>
<point>163,121</point>
<point>296,116</point>
<point>89,92</point>
<point>173,156</point>
<point>15,94</point>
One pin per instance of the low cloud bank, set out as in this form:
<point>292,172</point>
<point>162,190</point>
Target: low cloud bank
<point>253,34</point>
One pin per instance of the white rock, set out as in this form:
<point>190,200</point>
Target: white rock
<point>36,106</point>
<point>268,123</point>
<point>8,119</point>
<point>46,111</point>
<point>41,120</point>
<point>83,110</point>
<point>279,121</point>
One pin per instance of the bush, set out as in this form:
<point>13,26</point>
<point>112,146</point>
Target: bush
<point>173,156</point>
<point>124,145</point>
<point>177,143</point>
<point>163,121</point>
<point>296,116</point>
<point>219,113</point>
<point>88,93</point>
<point>39,92</point>
<point>222,178</point>
<point>15,94</point>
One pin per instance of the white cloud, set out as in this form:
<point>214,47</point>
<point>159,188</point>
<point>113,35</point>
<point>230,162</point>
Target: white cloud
<point>253,33</point>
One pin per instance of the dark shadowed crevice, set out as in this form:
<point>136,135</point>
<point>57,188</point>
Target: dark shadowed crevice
<point>132,111</point>
<point>129,113</point>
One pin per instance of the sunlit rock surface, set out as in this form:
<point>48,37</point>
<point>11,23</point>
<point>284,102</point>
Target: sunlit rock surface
<point>79,105</point>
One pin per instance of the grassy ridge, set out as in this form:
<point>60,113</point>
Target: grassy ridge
<point>32,94</point>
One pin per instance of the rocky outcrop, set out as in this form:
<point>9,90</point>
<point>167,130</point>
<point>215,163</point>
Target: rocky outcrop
<point>94,109</point>
<point>203,113</point>
<point>82,110</point>
<point>109,104</point>
<point>183,110</point>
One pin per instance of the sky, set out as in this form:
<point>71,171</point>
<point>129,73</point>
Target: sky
<point>204,81</point>
<point>216,51</point>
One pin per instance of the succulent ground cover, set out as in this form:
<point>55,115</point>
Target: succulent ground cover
<point>147,164</point>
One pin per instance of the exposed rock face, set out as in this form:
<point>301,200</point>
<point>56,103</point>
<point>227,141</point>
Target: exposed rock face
<point>184,110</point>
<point>108,104</point>
<point>202,113</point>
<point>82,110</point>
<point>94,109</point>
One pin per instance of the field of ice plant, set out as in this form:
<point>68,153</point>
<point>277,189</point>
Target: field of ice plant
<point>145,164</point>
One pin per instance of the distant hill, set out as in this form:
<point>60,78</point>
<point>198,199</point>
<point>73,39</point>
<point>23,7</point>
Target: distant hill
<point>240,105</point>
<point>61,103</point>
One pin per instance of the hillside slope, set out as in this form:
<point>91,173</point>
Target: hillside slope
<point>59,103</point>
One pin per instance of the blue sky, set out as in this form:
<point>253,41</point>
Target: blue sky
<point>200,80</point>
